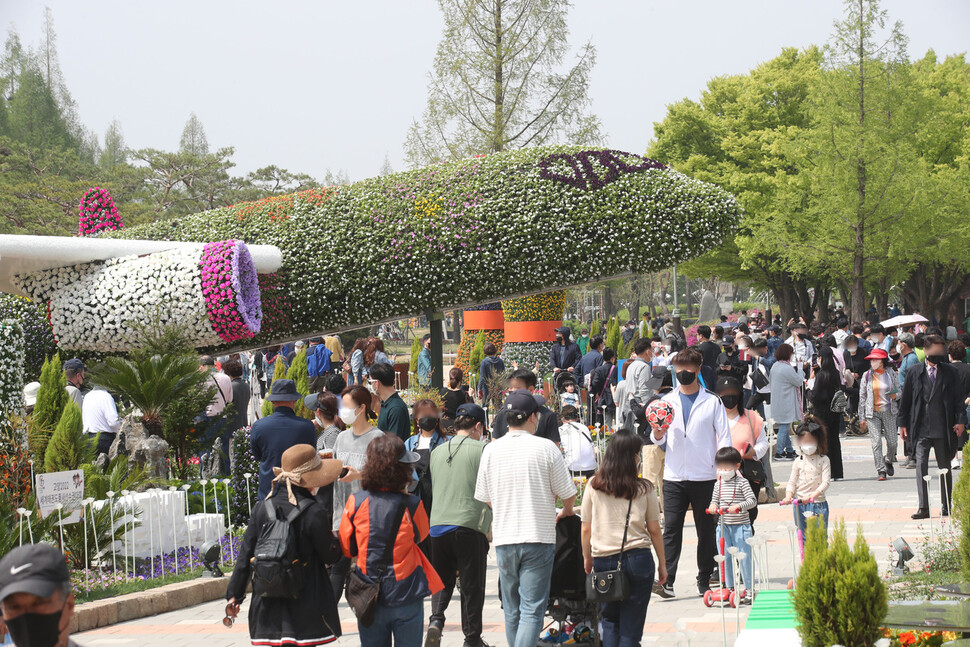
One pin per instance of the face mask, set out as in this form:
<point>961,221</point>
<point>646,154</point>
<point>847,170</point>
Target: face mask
<point>852,349</point>
<point>877,366</point>
<point>801,335</point>
<point>667,347</point>
<point>726,475</point>
<point>899,349</point>
<point>731,401</point>
<point>428,422</point>
<point>656,345</point>
<point>686,377</point>
<point>936,359</point>
<point>808,450</point>
<point>349,416</point>
<point>558,340</point>
<point>36,629</point>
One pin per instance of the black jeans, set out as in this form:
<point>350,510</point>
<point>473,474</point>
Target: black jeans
<point>943,458</point>
<point>105,440</point>
<point>463,552</point>
<point>678,495</point>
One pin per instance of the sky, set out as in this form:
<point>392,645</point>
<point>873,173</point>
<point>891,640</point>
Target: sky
<point>312,85</point>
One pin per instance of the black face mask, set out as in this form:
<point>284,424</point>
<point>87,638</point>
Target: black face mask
<point>936,359</point>
<point>731,401</point>
<point>558,340</point>
<point>686,377</point>
<point>428,422</point>
<point>36,629</point>
<point>801,335</point>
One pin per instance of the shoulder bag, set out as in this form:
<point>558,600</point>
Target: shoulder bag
<point>362,590</point>
<point>611,586</point>
<point>751,469</point>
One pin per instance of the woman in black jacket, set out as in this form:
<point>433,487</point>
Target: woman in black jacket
<point>828,382</point>
<point>310,616</point>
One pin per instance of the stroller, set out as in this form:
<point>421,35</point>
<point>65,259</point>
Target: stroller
<point>568,611</point>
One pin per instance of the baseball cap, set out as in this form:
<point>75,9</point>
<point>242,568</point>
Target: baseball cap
<point>30,393</point>
<point>878,353</point>
<point>657,377</point>
<point>774,328</point>
<point>73,365</point>
<point>728,340</point>
<point>521,400</point>
<point>38,569</point>
<point>473,411</point>
<point>312,401</point>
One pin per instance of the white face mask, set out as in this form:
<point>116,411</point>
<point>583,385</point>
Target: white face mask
<point>899,349</point>
<point>808,450</point>
<point>726,475</point>
<point>349,416</point>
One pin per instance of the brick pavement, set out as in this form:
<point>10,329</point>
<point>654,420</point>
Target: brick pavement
<point>881,510</point>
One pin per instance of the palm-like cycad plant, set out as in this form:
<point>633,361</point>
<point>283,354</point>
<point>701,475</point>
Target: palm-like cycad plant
<point>150,383</point>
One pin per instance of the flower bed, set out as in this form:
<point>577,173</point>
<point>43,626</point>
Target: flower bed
<point>39,341</point>
<point>396,245</point>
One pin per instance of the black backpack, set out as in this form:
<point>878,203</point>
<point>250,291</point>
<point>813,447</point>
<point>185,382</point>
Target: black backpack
<point>278,570</point>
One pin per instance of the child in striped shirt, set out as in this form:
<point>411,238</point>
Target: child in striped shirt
<point>733,493</point>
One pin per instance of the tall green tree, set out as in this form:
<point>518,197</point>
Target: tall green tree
<point>51,399</point>
<point>68,448</point>
<point>194,140</point>
<point>501,80</point>
<point>114,153</point>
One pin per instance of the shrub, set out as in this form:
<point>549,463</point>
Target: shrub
<point>415,352</point>
<point>51,400</point>
<point>839,598</point>
<point>68,448</point>
<point>279,371</point>
<point>300,375</point>
<point>243,462</point>
<point>961,514</point>
<point>477,354</point>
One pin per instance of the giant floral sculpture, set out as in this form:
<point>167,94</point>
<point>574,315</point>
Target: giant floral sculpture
<point>442,237</point>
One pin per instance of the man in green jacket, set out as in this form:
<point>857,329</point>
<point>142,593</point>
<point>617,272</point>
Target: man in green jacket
<point>460,526</point>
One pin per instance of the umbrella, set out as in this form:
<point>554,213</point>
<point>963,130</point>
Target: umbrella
<point>904,320</point>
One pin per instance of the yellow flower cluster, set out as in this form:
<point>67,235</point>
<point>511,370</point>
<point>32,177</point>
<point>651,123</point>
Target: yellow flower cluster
<point>549,306</point>
<point>427,207</point>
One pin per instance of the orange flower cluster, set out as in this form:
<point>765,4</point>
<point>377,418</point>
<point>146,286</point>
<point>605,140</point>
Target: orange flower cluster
<point>14,473</point>
<point>278,207</point>
<point>468,339</point>
<point>918,638</point>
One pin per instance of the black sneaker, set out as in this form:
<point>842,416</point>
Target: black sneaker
<point>890,470</point>
<point>434,636</point>
<point>666,591</point>
<point>702,588</point>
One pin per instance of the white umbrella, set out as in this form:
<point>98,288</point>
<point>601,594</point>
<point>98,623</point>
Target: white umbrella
<point>904,320</point>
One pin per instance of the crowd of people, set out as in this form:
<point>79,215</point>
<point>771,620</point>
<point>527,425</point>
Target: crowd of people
<point>391,504</point>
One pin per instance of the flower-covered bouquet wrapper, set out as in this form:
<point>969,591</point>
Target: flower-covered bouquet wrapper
<point>211,291</point>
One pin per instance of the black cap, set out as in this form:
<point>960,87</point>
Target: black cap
<point>312,401</point>
<point>521,400</point>
<point>283,390</point>
<point>473,411</point>
<point>316,340</point>
<point>729,383</point>
<point>657,377</point>
<point>728,340</point>
<point>73,365</point>
<point>774,328</point>
<point>39,569</point>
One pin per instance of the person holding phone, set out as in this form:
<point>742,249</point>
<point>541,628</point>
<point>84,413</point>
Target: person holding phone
<point>878,396</point>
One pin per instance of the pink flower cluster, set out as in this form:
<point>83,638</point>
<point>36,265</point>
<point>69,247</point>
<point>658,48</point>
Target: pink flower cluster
<point>231,290</point>
<point>97,213</point>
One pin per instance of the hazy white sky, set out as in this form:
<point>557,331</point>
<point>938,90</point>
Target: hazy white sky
<point>316,84</point>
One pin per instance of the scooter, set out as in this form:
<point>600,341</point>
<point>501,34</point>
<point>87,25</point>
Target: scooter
<point>801,539</point>
<point>723,595</point>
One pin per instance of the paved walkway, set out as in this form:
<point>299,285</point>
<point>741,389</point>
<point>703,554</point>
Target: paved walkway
<point>881,510</point>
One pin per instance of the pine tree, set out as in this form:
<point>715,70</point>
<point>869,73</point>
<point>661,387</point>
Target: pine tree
<point>299,373</point>
<point>595,329</point>
<point>614,339</point>
<point>415,352</point>
<point>68,448</point>
<point>51,400</point>
<point>279,371</point>
<point>478,353</point>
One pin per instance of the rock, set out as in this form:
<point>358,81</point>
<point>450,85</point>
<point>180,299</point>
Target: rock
<point>709,310</point>
<point>119,447</point>
<point>151,454</point>
<point>102,461</point>
<point>211,464</point>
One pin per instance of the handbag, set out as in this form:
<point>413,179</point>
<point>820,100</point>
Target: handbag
<point>753,470</point>
<point>362,590</point>
<point>611,586</point>
<point>840,402</point>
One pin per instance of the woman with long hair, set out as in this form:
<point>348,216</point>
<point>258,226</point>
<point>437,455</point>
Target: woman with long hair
<point>326,417</point>
<point>747,430</point>
<point>621,521</point>
<point>381,513</point>
<point>351,450</point>
<point>428,434</point>
<point>455,394</point>
<point>356,361</point>
<point>828,381</point>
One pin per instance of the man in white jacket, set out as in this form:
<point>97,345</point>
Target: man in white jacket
<point>700,427</point>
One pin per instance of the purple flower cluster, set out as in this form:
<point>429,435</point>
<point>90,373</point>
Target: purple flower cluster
<point>578,169</point>
<point>231,290</point>
<point>496,305</point>
<point>97,213</point>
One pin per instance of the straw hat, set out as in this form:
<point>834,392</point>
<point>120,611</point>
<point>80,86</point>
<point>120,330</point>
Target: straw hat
<point>303,467</point>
